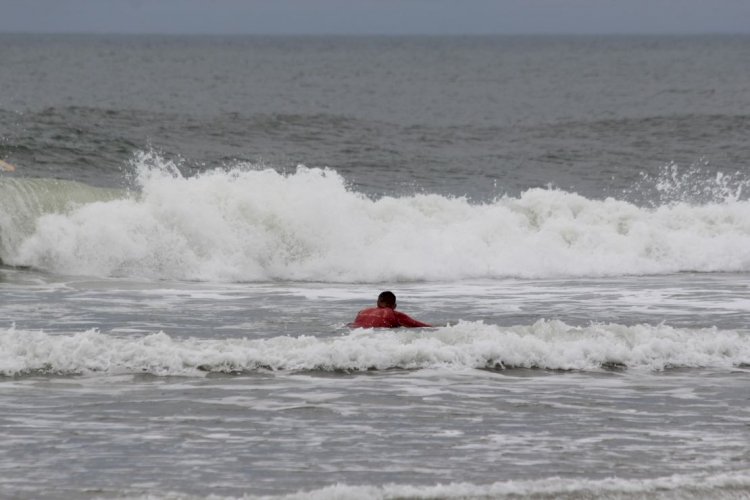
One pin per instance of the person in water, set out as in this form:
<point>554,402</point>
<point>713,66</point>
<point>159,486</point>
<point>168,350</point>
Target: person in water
<point>385,315</point>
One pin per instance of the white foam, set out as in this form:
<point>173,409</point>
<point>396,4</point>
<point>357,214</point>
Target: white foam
<point>544,344</point>
<point>250,224</point>
<point>728,485</point>
<point>23,200</point>
<point>684,486</point>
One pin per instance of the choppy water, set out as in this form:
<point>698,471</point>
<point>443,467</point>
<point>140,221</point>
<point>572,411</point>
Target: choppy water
<point>572,213</point>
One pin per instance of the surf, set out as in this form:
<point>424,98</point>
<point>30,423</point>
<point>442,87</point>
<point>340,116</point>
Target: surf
<point>250,223</point>
<point>24,200</point>
<point>544,344</point>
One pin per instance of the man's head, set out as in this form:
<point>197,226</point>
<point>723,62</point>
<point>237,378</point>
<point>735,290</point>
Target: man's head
<point>387,299</point>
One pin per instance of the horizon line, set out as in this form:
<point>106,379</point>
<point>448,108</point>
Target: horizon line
<point>380,34</point>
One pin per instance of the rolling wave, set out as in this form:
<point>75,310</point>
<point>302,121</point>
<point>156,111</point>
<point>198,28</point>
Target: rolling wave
<point>23,201</point>
<point>724,485</point>
<point>466,345</point>
<point>254,224</point>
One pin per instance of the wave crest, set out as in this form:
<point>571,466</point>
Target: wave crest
<point>255,224</point>
<point>466,345</point>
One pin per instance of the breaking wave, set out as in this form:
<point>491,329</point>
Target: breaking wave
<point>728,485</point>
<point>254,224</point>
<point>466,345</point>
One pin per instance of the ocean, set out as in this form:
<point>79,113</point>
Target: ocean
<point>193,222</point>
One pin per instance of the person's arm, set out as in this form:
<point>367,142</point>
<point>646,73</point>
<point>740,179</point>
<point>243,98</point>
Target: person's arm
<point>408,322</point>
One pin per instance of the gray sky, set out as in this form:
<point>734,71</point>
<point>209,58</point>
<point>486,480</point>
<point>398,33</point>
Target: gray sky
<point>376,16</point>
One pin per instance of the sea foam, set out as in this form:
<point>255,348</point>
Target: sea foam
<point>252,224</point>
<point>728,485</point>
<point>466,345</point>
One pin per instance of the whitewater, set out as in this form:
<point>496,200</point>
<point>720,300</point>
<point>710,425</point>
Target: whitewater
<point>248,223</point>
<point>548,345</point>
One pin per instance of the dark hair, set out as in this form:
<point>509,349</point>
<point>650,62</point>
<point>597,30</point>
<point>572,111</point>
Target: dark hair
<point>387,298</point>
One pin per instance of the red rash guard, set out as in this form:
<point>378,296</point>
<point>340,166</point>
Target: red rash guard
<point>384,317</point>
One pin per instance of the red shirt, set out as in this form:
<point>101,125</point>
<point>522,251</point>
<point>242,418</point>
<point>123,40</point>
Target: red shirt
<point>384,317</point>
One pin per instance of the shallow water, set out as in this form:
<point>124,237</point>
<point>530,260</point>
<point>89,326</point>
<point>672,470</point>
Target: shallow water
<point>260,388</point>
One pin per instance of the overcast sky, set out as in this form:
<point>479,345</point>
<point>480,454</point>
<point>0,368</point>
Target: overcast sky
<point>376,16</point>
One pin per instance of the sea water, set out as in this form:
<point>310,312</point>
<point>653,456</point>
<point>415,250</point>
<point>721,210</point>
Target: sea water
<point>193,222</point>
